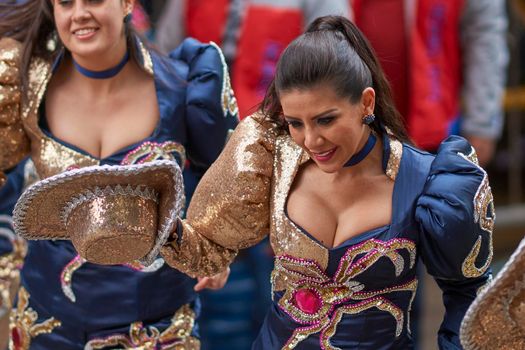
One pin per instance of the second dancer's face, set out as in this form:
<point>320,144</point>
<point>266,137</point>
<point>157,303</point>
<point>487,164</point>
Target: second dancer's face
<point>92,28</point>
<point>329,128</point>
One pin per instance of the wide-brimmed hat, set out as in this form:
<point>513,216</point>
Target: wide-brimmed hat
<point>496,318</point>
<point>112,214</point>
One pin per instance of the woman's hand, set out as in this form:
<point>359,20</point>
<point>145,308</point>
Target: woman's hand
<point>215,282</point>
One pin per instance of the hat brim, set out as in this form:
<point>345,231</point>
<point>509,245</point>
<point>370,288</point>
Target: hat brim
<point>482,322</point>
<point>38,212</point>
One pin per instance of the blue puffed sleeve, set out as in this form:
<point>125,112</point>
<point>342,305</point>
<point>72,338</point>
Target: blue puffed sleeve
<point>211,108</point>
<point>456,214</point>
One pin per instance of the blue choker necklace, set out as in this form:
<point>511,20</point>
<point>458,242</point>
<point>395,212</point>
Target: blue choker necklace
<point>359,156</point>
<point>103,74</point>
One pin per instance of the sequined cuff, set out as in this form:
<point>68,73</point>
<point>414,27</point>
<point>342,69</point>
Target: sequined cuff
<point>195,255</point>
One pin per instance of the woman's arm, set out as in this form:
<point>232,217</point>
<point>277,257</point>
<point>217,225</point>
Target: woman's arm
<point>230,209</point>
<point>14,143</point>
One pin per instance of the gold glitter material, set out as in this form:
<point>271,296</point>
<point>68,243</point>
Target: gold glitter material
<point>228,100</point>
<point>66,278</point>
<point>10,263</point>
<point>106,225</point>
<point>54,158</point>
<point>23,323</point>
<point>50,197</point>
<point>230,209</point>
<point>147,62</point>
<point>286,237</point>
<point>496,318</point>
<point>14,143</point>
<point>176,337</point>
<point>394,159</point>
<point>485,215</point>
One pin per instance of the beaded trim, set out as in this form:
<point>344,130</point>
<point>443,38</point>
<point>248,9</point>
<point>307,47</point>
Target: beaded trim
<point>472,329</point>
<point>485,216</point>
<point>228,100</point>
<point>168,222</point>
<point>97,192</point>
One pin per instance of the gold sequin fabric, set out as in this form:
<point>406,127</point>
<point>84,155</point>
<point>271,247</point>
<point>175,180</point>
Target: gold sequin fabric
<point>176,337</point>
<point>14,143</point>
<point>230,209</point>
<point>24,325</point>
<point>485,216</point>
<point>318,302</point>
<point>242,198</point>
<point>10,263</point>
<point>496,318</point>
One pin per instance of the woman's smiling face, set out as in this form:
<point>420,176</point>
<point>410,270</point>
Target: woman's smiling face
<point>92,28</point>
<point>329,128</point>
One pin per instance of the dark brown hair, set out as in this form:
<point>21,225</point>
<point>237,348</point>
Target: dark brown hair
<point>333,51</point>
<point>32,23</point>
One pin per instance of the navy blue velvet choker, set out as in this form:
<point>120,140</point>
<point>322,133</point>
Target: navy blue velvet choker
<point>359,156</point>
<point>103,74</point>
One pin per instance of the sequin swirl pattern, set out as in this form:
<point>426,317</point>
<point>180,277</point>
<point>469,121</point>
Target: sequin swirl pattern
<point>485,215</point>
<point>23,326</point>
<point>176,337</point>
<point>66,277</point>
<point>319,302</point>
<point>150,151</point>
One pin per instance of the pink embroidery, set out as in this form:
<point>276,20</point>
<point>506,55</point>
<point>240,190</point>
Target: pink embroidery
<point>315,300</point>
<point>149,151</point>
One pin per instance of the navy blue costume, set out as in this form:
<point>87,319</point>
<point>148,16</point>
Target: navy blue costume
<point>356,295</point>
<point>82,305</point>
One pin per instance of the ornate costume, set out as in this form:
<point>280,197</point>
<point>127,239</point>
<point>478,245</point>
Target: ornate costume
<point>73,304</point>
<point>496,319</point>
<point>356,295</point>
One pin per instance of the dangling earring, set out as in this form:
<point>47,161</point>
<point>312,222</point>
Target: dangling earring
<point>369,119</point>
<point>127,18</point>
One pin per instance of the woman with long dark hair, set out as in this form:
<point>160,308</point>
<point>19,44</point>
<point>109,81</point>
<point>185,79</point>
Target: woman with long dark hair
<point>78,87</point>
<point>351,206</point>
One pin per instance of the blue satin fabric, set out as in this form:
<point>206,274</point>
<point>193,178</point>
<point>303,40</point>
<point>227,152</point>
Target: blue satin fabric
<point>433,207</point>
<point>189,86</point>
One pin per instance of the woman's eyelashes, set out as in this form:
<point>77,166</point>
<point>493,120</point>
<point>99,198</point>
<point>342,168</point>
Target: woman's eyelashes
<point>294,124</point>
<point>325,120</point>
<point>322,121</point>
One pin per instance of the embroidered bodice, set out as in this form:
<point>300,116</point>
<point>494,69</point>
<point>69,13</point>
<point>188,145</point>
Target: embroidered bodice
<point>197,112</point>
<point>358,294</point>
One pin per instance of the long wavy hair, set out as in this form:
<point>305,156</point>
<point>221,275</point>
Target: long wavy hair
<point>32,23</point>
<point>333,51</point>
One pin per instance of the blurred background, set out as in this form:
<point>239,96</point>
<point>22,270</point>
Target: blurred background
<point>252,35</point>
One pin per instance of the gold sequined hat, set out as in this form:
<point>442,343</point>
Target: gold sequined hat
<point>112,214</point>
<point>496,318</point>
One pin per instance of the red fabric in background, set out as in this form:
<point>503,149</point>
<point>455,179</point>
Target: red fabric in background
<point>427,89</point>
<point>265,32</point>
<point>383,23</point>
<point>206,19</point>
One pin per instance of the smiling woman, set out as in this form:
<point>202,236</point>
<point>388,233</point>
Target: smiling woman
<point>326,169</point>
<point>80,89</point>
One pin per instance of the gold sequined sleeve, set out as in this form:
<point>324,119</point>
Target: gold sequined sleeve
<point>14,143</point>
<point>230,209</point>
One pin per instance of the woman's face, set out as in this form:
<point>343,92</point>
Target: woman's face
<point>329,128</point>
<point>92,28</point>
